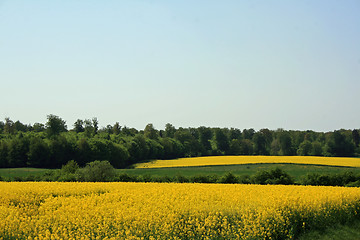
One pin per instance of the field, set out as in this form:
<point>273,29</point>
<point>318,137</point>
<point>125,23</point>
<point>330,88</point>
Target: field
<point>21,172</point>
<point>295,170</point>
<point>31,210</point>
<point>236,160</point>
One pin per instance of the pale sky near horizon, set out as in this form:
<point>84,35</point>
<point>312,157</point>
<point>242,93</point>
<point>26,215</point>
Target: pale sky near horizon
<point>242,64</point>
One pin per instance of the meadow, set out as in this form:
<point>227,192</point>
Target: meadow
<point>40,210</point>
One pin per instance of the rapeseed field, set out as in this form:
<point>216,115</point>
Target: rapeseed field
<point>42,210</point>
<point>233,160</point>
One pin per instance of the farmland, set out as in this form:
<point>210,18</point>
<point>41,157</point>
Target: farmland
<point>236,160</point>
<point>170,211</point>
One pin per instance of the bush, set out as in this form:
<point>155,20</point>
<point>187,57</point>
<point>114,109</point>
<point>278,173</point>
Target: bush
<point>229,178</point>
<point>97,171</point>
<point>181,179</point>
<point>274,176</point>
<point>204,179</point>
<point>124,177</point>
<point>70,167</point>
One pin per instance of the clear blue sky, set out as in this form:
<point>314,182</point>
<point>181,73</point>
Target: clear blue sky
<point>243,64</point>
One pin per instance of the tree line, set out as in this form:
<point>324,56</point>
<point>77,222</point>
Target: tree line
<point>51,145</point>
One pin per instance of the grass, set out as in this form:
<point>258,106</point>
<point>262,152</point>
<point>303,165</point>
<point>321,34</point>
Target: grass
<point>337,232</point>
<point>21,172</point>
<point>295,170</point>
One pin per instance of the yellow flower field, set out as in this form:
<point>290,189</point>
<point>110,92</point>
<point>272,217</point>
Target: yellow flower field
<point>233,160</point>
<point>41,210</point>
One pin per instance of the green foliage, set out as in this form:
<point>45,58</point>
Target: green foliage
<point>97,171</point>
<point>70,167</point>
<point>342,179</point>
<point>229,178</point>
<point>274,176</point>
<point>55,125</point>
<point>51,145</point>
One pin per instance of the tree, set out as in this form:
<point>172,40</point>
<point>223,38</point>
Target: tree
<point>39,127</point>
<point>89,128</point>
<point>248,133</point>
<point>169,130</point>
<point>116,128</point>
<point>305,148</point>
<point>205,136</point>
<point>2,125</point>
<point>18,148</point>
<point>9,127</point>
<point>19,127</point>
<point>150,131</point>
<point>95,124</point>
<point>259,144</point>
<point>83,152</point>
<point>70,167</point>
<point>98,171</point>
<point>338,145</point>
<point>221,140</point>
<point>235,147</point>
<point>356,137</point>
<point>4,154</point>
<point>79,126</point>
<point>235,133</point>
<point>38,155</point>
<point>55,125</point>
<point>316,149</point>
<point>285,143</point>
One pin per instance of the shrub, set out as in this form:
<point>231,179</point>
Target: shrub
<point>229,178</point>
<point>274,176</point>
<point>97,171</point>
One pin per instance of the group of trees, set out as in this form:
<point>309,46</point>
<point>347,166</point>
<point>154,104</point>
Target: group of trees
<point>52,144</point>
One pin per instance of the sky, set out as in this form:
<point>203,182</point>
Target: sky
<point>243,64</point>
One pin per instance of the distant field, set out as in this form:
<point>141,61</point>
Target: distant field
<point>237,160</point>
<point>21,172</point>
<point>295,170</point>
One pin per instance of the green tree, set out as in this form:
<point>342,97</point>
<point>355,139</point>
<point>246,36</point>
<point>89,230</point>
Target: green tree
<point>38,155</point>
<point>339,145</point>
<point>70,167</point>
<point>98,171</point>
<point>248,133</point>
<point>116,129</point>
<point>234,133</point>
<point>150,131</point>
<point>9,126</point>
<point>39,127</point>
<point>221,140</point>
<point>89,128</point>
<point>17,151</point>
<point>285,143</point>
<point>205,135</point>
<point>316,149</point>
<point>355,137</point>
<point>4,154</point>
<point>55,125</point>
<point>305,148</point>
<point>235,147</point>
<point>169,130</point>
<point>61,151</point>
<point>95,124</point>
<point>259,144</point>
<point>79,126</point>
<point>2,125</point>
<point>83,152</point>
